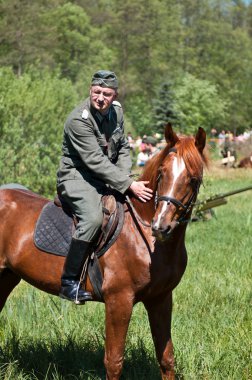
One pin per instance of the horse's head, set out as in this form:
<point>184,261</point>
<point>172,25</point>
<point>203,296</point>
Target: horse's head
<point>178,181</point>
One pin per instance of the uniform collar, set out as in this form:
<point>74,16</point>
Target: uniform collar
<point>100,117</point>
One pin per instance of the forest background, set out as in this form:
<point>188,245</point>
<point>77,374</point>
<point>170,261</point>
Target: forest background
<point>188,62</point>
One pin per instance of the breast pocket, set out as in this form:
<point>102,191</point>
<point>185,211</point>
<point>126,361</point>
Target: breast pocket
<point>114,145</point>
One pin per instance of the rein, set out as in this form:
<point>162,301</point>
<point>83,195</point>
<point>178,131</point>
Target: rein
<point>139,219</point>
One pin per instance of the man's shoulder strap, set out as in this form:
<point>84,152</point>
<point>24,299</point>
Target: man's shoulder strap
<point>116,103</point>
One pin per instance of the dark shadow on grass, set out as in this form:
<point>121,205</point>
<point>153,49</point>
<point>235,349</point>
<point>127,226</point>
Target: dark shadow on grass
<point>70,361</point>
<point>74,361</point>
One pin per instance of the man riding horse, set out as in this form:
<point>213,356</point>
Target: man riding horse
<point>95,154</point>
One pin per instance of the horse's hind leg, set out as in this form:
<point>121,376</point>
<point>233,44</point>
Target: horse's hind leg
<point>159,313</point>
<point>8,281</point>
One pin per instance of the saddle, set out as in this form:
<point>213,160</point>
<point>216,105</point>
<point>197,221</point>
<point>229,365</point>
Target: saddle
<point>111,217</point>
<point>56,225</point>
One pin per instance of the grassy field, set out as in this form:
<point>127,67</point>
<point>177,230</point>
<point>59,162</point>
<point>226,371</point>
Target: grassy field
<point>43,337</point>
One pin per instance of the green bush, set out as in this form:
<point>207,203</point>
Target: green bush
<point>33,109</point>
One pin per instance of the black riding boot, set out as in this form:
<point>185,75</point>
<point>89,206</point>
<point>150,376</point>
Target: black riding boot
<point>70,281</point>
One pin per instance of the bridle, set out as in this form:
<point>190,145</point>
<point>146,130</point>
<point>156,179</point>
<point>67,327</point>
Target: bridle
<point>187,207</point>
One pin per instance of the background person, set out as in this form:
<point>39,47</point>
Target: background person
<point>148,151</point>
<point>151,146</point>
<point>95,153</point>
<point>142,157</point>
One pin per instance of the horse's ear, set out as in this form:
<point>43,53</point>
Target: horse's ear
<point>200,140</point>
<point>170,136</point>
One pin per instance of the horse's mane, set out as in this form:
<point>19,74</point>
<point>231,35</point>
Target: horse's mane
<point>186,150</point>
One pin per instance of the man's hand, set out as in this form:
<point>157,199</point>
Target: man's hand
<point>141,192</point>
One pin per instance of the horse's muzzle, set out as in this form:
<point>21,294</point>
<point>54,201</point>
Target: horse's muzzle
<point>163,233</point>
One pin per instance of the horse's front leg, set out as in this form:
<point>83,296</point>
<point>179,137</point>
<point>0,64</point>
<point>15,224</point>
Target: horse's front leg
<point>118,312</point>
<point>159,312</point>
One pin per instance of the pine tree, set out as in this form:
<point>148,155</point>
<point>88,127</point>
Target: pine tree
<point>163,107</point>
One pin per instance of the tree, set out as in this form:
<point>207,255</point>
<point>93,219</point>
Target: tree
<point>33,108</point>
<point>164,107</point>
<point>139,117</point>
<point>134,29</point>
<point>68,34</point>
<point>198,104</point>
<point>146,43</point>
<point>20,42</point>
<point>218,49</point>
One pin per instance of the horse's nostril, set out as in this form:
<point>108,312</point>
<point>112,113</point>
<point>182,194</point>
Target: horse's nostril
<point>168,229</point>
<point>154,226</point>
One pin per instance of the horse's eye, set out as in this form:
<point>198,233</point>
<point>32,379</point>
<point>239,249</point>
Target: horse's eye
<point>194,181</point>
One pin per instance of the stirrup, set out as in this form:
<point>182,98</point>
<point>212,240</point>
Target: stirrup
<point>88,296</point>
<point>71,291</point>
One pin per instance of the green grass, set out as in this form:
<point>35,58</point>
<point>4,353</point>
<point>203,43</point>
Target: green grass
<point>43,337</point>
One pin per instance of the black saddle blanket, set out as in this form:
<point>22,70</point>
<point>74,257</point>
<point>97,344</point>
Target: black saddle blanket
<point>54,230</point>
<point>55,227</point>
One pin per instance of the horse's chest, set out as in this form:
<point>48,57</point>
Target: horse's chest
<point>165,275</point>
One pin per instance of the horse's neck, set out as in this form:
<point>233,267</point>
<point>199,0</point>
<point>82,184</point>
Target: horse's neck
<point>145,210</point>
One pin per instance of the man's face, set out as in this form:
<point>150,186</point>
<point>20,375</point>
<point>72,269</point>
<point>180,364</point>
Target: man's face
<point>102,97</point>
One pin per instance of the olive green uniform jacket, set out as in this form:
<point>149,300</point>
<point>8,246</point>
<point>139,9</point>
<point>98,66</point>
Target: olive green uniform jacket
<point>95,153</point>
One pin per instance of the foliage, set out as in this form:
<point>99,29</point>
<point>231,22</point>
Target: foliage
<point>21,32</point>
<point>73,42</point>
<point>32,113</point>
<point>188,104</point>
<point>188,62</point>
<point>70,34</point>
<point>147,43</point>
<point>164,107</point>
<point>140,116</point>
<point>198,104</point>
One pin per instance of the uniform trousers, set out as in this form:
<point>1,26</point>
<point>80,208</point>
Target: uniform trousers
<point>85,200</point>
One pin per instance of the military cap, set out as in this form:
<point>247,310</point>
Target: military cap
<point>105,78</point>
<point>150,140</point>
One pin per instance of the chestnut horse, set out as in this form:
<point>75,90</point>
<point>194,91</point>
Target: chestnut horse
<point>245,162</point>
<point>145,263</point>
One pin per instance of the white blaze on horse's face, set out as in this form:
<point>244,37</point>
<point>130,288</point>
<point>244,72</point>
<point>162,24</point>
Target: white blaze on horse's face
<point>178,167</point>
<point>166,211</point>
